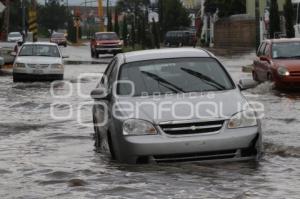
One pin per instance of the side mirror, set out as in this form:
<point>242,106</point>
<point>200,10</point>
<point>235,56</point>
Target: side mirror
<point>99,94</point>
<point>264,59</point>
<point>13,53</point>
<point>245,84</point>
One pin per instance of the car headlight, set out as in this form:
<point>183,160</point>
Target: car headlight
<point>283,71</point>
<point>138,127</point>
<point>19,65</point>
<point>57,66</point>
<point>243,119</point>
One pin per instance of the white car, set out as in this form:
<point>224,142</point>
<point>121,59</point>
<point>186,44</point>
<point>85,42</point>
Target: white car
<point>15,37</point>
<point>38,61</point>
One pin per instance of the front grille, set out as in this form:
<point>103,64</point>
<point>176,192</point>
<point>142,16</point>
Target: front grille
<point>192,128</point>
<point>201,156</point>
<point>38,66</point>
<point>108,46</point>
<point>295,73</point>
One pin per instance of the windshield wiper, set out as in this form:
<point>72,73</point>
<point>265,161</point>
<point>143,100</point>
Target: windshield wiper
<point>173,87</point>
<point>207,79</point>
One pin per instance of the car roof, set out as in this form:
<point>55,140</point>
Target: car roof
<point>105,33</point>
<point>282,40</point>
<point>144,55</point>
<point>40,43</point>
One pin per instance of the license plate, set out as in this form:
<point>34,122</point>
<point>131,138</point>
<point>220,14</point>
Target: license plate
<point>38,71</point>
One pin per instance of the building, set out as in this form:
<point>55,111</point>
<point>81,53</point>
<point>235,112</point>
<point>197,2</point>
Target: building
<point>263,4</point>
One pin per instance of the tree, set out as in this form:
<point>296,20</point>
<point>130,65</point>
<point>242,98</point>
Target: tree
<point>116,25</point>
<point>274,18</point>
<point>124,31</point>
<point>225,7</point>
<point>109,21</point>
<point>174,16</point>
<point>155,34</point>
<point>289,19</point>
<point>52,16</point>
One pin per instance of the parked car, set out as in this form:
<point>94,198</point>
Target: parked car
<point>105,43</point>
<point>38,61</point>
<point>136,116</point>
<point>15,37</point>
<point>278,60</point>
<point>8,51</point>
<point>59,39</point>
<point>180,38</point>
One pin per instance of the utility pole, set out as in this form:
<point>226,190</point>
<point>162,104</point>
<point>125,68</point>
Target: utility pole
<point>257,23</point>
<point>24,20</point>
<point>100,14</point>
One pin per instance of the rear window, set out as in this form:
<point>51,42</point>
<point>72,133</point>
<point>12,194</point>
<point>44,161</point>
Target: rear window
<point>180,75</point>
<point>14,34</point>
<point>58,35</point>
<point>39,50</point>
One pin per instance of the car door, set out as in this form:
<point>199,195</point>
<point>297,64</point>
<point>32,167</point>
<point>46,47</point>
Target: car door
<point>265,62</point>
<point>258,69</point>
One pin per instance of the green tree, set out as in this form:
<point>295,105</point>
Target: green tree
<point>289,19</point>
<point>155,34</point>
<point>116,25</point>
<point>109,21</point>
<point>52,16</point>
<point>274,18</point>
<point>174,16</point>
<point>125,31</point>
<point>225,7</point>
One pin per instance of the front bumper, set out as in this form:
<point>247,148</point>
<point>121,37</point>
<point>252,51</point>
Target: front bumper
<point>288,82</point>
<point>104,50</point>
<point>24,77</point>
<point>228,144</point>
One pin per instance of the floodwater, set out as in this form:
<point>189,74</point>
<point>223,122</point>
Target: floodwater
<point>44,156</point>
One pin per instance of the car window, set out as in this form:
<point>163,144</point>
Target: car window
<point>107,36</point>
<point>40,50</point>
<point>14,34</point>
<point>107,73</point>
<point>267,50</point>
<point>261,49</point>
<point>180,75</point>
<point>58,35</point>
<point>286,50</point>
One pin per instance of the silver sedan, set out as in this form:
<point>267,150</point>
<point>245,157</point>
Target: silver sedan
<point>173,105</point>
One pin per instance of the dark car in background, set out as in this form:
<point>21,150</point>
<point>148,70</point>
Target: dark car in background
<point>105,43</point>
<point>181,38</point>
<point>59,39</point>
<point>278,61</point>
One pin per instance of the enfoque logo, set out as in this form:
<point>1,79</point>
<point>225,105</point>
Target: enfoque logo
<point>154,106</point>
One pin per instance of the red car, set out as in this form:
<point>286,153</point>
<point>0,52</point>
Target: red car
<point>278,61</point>
<point>105,43</point>
<point>59,39</point>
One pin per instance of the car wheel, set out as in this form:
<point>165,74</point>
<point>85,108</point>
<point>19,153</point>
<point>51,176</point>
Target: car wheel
<point>96,136</point>
<point>92,53</point>
<point>270,77</point>
<point>255,77</point>
<point>110,145</point>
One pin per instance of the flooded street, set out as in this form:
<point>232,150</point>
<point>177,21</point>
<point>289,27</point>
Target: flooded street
<point>43,157</point>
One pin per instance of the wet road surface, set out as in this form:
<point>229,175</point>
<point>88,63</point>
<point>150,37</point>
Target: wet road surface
<point>42,157</point>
